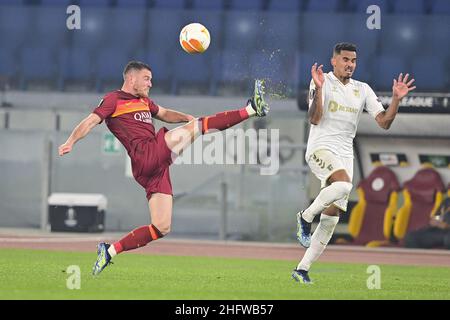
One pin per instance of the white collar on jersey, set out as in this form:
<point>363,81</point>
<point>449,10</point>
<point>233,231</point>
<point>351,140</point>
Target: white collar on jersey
<point>331,74</point>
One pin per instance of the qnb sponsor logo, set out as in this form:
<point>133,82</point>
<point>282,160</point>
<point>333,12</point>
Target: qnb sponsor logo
<point>235,146</point>
<point>143,116</point>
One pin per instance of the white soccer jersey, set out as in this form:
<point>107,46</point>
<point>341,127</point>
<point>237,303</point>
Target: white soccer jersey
<point>342,108</point>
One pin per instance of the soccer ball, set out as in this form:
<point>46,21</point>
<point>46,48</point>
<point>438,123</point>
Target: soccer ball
<point>194,38</point>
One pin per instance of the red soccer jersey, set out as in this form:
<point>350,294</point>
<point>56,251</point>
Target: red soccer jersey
<point>128,117</point>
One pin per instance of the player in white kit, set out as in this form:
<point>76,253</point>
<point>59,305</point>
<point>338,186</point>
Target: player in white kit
<point>336,102</point>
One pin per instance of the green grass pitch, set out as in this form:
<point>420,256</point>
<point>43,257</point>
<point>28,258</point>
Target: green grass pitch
<point>39,274</point>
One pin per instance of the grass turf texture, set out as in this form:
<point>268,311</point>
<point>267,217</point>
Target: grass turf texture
<point>40,274</point>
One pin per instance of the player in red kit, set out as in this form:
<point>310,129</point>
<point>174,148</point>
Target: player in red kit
<point>129,114</point>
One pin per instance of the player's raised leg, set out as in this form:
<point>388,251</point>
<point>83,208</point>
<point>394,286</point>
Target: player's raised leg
<point>180,138</point>
<point>339,187</point>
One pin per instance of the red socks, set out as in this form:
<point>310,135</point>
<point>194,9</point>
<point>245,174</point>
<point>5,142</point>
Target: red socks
<point>223,120</point>
<point>139,237</point>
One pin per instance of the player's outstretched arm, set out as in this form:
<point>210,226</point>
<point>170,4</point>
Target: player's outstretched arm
<point>400,89</point>
<point>172,116</point>
<point>315,111</point>
<point>80,131</point>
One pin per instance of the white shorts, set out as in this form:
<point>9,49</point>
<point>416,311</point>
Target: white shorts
<point>324,163</point>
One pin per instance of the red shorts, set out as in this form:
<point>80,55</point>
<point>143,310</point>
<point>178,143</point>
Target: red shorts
<point>151,165</point>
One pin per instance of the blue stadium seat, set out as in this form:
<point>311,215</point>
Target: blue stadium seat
<point>95,23</point>
<point>242,31</point>
<point>360,6</point>
<point>109,66</point>
<point>409,7</point>
<point>440,7</point>
<point>164,28</point>
<point>191,70</point>
<point>132,3</point>
<point>207,4</point>
<point>37,63</point>
<point>285,5</point>
<point>127,28</point>
<point>281,31</point>
<point>169,4</point>
<point>239,5</point>
<point>305,61</point>
<point>366,40</point>
<point>231,67</point>
<point>50,29</point>
<point>437,33</point>
<point>60,3</point>
<point>76,64</point>
<point>8,64</point>
<point>436,80</point>
<point>402,35</point>
<point>161,65</point>
<point>322,6</point>
<point>94,3</point>
<point>15,24</point>
<point>385,69</point>
<point>364,68</point>
<point>315,40</point>
<point>267,66</point>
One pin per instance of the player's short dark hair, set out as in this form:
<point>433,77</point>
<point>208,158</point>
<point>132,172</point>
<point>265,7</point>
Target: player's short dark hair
<point>346,46</point>
<point>135,65</point>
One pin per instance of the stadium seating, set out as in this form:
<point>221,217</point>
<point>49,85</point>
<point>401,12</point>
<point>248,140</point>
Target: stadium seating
<point>231,69</point>
<point>437,80</point>
<point>8,65</point>
<point>95,24</point>
<point>191,72</point>
<point>240,5</point>
<point>402,36</point>
<point>31,71</point>
<point>385,69</point>
<point>292,6</point>
<point>75,66</point>
<point>360,6</point>
<point>310,36</point>
<point>169,4</point>
<point>409,7</point>
<point>322,6</point>
<point>50,29</point>
<point>281,34</point>
<point>440,7</point>
<point>94,3</point>
<point>242,31</point>
<point>109,66</point>
<point>132,3</point>
<point>127,29</point>
<point>208,5</point>
<point>15,23</point>
<point>59,3</point>
<point>372,218</point>
<point>422,196</point>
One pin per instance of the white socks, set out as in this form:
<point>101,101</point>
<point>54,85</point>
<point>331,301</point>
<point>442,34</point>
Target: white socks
<point>112,251</point>
<point>335,191</point>
<point>251,112</point>
<point>319,241</point>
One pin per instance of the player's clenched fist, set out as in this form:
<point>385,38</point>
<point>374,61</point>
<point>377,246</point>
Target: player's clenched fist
<point>64,148</point>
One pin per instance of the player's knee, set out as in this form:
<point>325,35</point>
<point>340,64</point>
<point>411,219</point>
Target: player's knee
<point>328,223</point>
<point>343,188</point>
